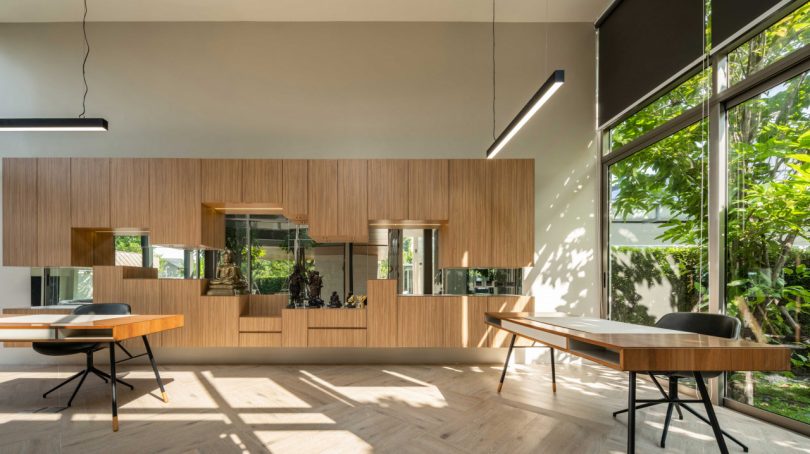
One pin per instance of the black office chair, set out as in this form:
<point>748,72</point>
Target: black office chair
<point>701,323</point>
<point>88,348</point>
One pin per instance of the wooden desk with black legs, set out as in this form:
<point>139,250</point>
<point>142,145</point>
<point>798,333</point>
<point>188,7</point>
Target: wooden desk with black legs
<point>640,349</point>
<point>107,329</point>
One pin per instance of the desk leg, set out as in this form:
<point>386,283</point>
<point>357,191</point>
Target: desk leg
<point>155,369</point>
<point>704,395</point>
<point>114,391</point>
<point>553,373</point>
<point>631,414</point>
<point>506,361</point>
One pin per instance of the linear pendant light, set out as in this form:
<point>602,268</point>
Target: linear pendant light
<point>535,103</point>
<point>61,124</point>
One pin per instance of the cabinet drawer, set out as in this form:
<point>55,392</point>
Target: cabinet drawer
<point>260,339</point>
<point>347,337</point>
<point>260,324</point>
<point>336,318</point>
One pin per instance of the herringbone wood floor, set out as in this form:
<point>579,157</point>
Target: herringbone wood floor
<point>302,409</point>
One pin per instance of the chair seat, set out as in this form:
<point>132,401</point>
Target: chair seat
<point>64,348</point>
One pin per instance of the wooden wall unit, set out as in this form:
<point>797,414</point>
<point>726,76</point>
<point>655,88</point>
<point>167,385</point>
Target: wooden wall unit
<point>388,193</point>
<point>221,180</point>
<point>295,189</point>
<point>322,217</point>
<point>294,328</point>
<point>216,320</point>
<point>20,212</point>
<point>420,321</point>
<point>336,318</point>
<point>382,313</point>
<point>180,296</point>
<point>428,181</point>
<point>464,321</point>
<point>260,340</point>
<point>262,181</point>
<point>129,193</point>
<point>466,239</point>
<point>212,234</point>
<point>90,192</point>
<point>267,305</point>
<point>511,182</point>
<point>353,200</point>
<point>336,337</point>
<point>53,212</point>
<point>175,202</point>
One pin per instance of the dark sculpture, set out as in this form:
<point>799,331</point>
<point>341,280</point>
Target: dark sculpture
<point>334,300</point>
<point>296,283</point>
<point>314,286</point>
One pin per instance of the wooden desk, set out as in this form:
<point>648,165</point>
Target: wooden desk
<point>107,329</point>
<point>635,348</point>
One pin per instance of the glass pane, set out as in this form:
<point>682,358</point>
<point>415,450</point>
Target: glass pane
<point>781,39</point>
<point>658,223</point>
<point>684,97</point>
<point>768,230</point>
<point>128,250</point>
<point>370,261</point>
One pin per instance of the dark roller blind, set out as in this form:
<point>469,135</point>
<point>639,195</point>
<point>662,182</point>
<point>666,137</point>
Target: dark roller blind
<point>728,16</point>
<point>642,43</point>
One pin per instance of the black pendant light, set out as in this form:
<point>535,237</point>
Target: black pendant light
<point>62,124</point>
<point>549,87</point>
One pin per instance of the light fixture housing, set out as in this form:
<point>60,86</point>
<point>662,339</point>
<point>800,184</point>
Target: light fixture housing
<point>542,95</point>
<point>53,124</point>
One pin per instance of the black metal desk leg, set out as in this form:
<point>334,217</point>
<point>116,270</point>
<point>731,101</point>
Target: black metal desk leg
<point>553,373</point>
<point>631,414</point>
<point>506,362</point>
<point>155,369</point>
<point>704,395</point>
<point>114,391</point>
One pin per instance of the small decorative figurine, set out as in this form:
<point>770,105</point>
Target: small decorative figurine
<point>334,300</point>
<point>351,301</point>
<point>296,283</point>
<point>315,285</point>
<point>361,301</point>
<point>229,279</point>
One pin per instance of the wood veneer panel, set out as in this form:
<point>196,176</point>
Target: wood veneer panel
<point>20,212</point>
<point>388,189</point>
<point>499,338</point>
<point>221,180</point>
<point>107,284</point>
<point>262,181</point>
<point>103,249</point>
<point>213,228</point>
<point>330,338</point>
<point>260,324</point>
<point>322,216</point>
<point>267,305</point>
<point>428,188</point>
<point>511,182</point>
<point>174,199</point>
<point>260,339</point>
<point>181,296</point>
<point>129,193</point>
<point>467,238</point>
<point>294,327</point>
<point>382,311</point>
<point>217,321</point>
<point>90,192</point>
<point>53,212</point>
<point>420,321</point>
<point>464,322</point>
<point>336,318</point>
<point>353,200</point>
<point>295,189</point>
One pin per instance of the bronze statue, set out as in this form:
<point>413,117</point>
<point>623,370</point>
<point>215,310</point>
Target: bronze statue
<point>229,279</point>
<point>296,283</point>
<point>334,300</point>
<point>314,286</point>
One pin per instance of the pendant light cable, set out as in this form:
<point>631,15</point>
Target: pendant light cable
<point>493,69</point>
<point>84,63</point>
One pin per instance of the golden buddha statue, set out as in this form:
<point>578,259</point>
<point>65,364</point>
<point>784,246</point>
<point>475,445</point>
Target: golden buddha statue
<point>229,279</point>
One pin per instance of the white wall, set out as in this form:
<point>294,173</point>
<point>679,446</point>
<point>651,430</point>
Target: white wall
<point>316,90</point>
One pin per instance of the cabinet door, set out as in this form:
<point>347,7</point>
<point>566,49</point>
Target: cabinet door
<point>182,296</point>
<point>420,321</point>
<point>353,200</point>
<point>90,192</point>
<point>294,189</point>
<point>322,217</point>
<point>466,240</point>
<point>262,181</point>
<point>499,338</point>
<point>53,212</point>
<point>388,189</point>
<point>174,201</point>
<point>129,193</point>
<point>511,182</point>
<point>428,191</point>
<point>464,321</point>
<point>382,314</point>
<point>20,212</point>
<point>221,181</point>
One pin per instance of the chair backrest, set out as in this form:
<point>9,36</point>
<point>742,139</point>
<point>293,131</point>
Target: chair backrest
<point>103,309</point>
<point>695,322</point>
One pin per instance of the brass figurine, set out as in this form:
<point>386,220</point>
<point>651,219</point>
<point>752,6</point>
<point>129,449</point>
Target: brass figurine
<point>229,280</point>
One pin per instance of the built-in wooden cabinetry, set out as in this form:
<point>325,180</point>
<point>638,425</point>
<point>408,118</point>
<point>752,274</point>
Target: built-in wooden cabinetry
<point>20,211</point>
<point>428,181</point>
<point>338,200</point>
<point>295,189</point>
<point>175,201</point>
<point>388,191</point>
<point>129,194</point>
<point>53,211</point>
<point>89,192</point>
<point>383,313</point>
<point>511,183</point>
<point>221,181</point>
<point>262,181</point>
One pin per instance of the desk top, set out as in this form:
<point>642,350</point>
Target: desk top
<point>625,346</point>
<point>83,328</point>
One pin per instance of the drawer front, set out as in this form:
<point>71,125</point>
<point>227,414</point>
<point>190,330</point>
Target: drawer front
<point>325,337</point>
<point>336,318</point>
<point>260,324</point>
<point>260,339</point>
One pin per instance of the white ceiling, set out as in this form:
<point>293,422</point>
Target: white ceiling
<point>302,10</point>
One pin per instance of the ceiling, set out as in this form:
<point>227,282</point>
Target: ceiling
<point>302,10</point>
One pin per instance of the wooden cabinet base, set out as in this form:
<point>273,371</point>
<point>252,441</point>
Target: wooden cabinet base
<point>260,339</point>
<point>336,337</point>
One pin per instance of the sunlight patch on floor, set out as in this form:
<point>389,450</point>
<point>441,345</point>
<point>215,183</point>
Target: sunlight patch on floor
<point>252,392</point>
<point>286,418</point>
